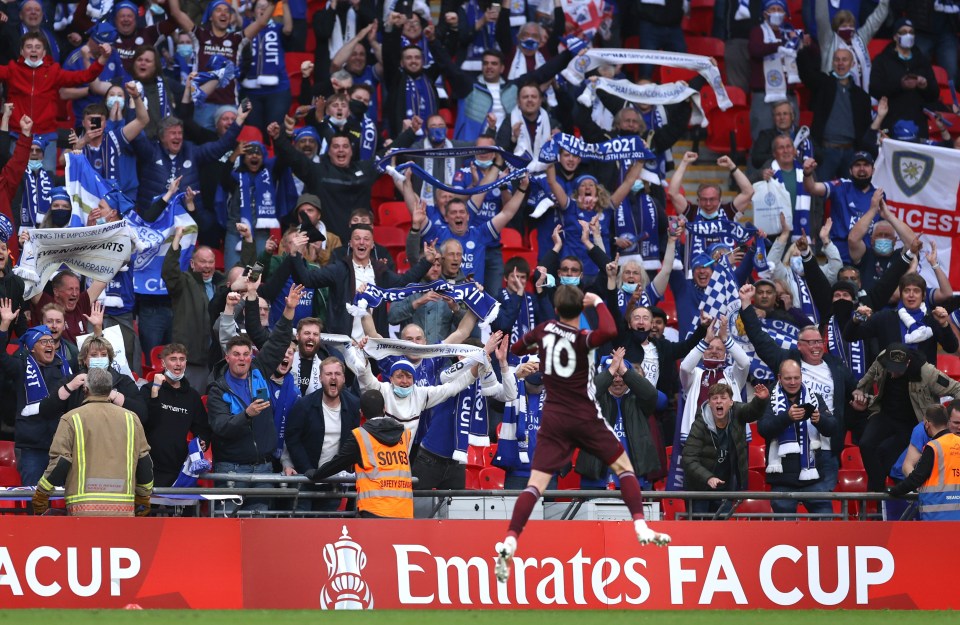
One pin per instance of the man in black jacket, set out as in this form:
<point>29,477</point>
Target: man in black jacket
<point>174,409</point>
<point>320,423</point>
<point>240,412</point>
<point>841,111</point>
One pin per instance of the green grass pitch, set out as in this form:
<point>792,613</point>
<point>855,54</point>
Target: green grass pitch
<point>478,617</point>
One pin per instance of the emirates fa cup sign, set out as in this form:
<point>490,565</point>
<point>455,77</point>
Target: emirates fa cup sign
<point>345,588</point>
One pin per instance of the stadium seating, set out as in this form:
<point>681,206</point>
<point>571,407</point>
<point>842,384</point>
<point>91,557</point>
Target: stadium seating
<point>9,476</point>
<point>850,458</point>
<point>393,214</point>
<point>8,456</point>
<point>753,506</point>
<point>757,480</point>
<point>391,237</point>
<point>757,458</point>
<point>491,478</point>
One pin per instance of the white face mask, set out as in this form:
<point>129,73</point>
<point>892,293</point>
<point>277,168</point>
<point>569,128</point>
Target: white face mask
<point>98,362</point>
<point>906,40</point>
<point>32,63</point>
<point>776,19</point>
<point>173,376</point>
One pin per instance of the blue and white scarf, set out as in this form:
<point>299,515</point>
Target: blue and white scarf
<point>912,327</point>
<point>258,197</point>
<point>760,255</point>
<point>65,367</point>
<point>852,353</point>
<point>721,295</point>
<point>637,221</point>
<point>193,466</point>
<point>368,138</point>
<point>526,320</point>
<point>36,198</point>
<point>517,163</point>
<point>221,70</point>
<point>483,39</point>
<point>485,307</point>
<point>34,386</point>
<point>471,413</point>
<point>797,438</point>
<point>705,232</point>
<point>419,96</point>
<point>283,397</point>
<point>266,61</point>
<point>612,150</point>
<point>807,307</point>
<point>163,99</point>
<point>801,209</point>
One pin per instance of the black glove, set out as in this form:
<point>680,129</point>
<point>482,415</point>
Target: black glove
<point>311,475</point>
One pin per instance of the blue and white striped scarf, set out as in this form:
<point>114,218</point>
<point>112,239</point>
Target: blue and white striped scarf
<point>34,386</point>
<point>801,209</point>
<point>806,300</point>
<point>470,411</point>
<point>638,222</point>
<point>36,198</point>
<point>482,305</point>
<point>526,320</point>
<point>518,431</point>
<point>193,466</point>
<point>797,438</point>
<point>852,353</point>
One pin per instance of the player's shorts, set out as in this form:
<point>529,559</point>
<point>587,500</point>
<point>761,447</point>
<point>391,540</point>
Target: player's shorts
<point>559,436</point>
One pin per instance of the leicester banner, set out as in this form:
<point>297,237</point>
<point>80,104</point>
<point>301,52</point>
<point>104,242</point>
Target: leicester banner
<point>156,238</point>
<point>922,183</point>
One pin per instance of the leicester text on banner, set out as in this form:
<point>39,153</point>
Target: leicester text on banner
<point>97,252</point>
<point>921,183</point>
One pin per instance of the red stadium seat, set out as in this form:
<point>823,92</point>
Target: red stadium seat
<point>9,476</point>
<point>949,364</point>
<point>511,238</point>
<point>489,453</point>
<point>943,80</point>
<point>700,20</point>
<point>729,131</point>
<point>708,46</point>
<point>12,348</point>
<point>851,459</point>
<point>754,506</point>
<point>475,457</point>
<point>155,356</point>
<point>383,191</point>
<point>757,458</point>
<point>391,237</point>
<point>393,214</point>
<point>757,480</point>
<point>491,478</point>
<point>876,46</point>
<point>675,74</point>
<point>293,62</point>
<point>671,507</point>
<point>472,479</point>
<point>402,262</point>
<point>851,481</point>
<point>218,259</point>
<point>8,457</point>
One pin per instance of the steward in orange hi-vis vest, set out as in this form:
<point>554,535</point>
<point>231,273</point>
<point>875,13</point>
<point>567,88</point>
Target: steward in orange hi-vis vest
<point>384,482</point>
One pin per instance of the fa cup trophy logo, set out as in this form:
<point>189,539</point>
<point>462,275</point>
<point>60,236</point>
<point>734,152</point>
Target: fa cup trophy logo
<point>345,588</point>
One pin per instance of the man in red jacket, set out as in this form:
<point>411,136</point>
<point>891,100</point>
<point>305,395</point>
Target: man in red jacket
<point>10,178</point>
<point>34,81</point>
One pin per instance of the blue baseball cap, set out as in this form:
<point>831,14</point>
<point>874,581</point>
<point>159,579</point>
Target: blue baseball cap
<point>905,130</point>
<point>103,32</point>
<point>769,4</point>
<point>59,193</point>
<point>307,132</point>
<point>126,4</point>
<point>700,260</point>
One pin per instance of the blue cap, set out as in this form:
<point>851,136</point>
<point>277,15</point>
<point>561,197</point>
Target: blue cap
<point>769,4</point>
<point>211,7</point>
<point>306,132</point>
<point>582,177</point>
<point>403,365</point>
<point>103,32</point>
<point>700,260</point>
<point>259,146</point>
<point>34,334</point>
<point>126,4</point>
<point>40,141</point>
<point>606,360</point>
<point>59,193</point>
<point>905,130</point>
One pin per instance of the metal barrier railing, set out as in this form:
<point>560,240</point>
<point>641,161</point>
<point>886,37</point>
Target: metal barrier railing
<point>290,488</point>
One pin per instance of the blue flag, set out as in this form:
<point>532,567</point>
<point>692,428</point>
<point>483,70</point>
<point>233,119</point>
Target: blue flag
<point>157,236</point>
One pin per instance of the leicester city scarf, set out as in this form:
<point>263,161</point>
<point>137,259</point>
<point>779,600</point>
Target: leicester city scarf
<point>482,305</point>
<point>470,407</point>
<point>852,353</point>
<point>265,64</point>
<point>705,232</point>
<point>36,198</point>
<point>797,438</point>
<point>34,386</point>
<point>912,327</point>
<point>368,138</point>
<point>419,96</point>
<point>525,320</point>
<point>193,466</point>
<point>653,94</point>
<point>378,349</point>
<point>637,221</point>
<point>517,163</point>
<point>219,69</point>
<point>807,306</point>
<point>258,197</point>
<point>613,150</point>
<point>801,209</point>
<point>283,397</point>
<point>596,57</point>
<point>64,359</point>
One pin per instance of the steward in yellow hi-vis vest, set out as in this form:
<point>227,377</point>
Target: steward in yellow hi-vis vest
<point>377,453</point>
<point>100,456</point>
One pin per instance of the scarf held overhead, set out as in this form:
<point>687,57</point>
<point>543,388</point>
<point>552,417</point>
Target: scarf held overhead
<point>651,93</point>
<point>518,163</point>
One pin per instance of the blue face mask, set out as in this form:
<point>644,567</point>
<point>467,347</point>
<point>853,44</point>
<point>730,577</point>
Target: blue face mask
<point>437,135</point>
<point>883,247</point>
<point>185,50</point>
<point>34,165</point>
<point>550,282</point>
<point>637,186</point>
<point>529,44</point>
<point>570,280</point>
<point>98,362</point>
<point>114,100</point>
<point>401,391</point>
<point>156,9</point>
<point>483,164</point>
<point>840,76</point>
<point>705,216</point>
<point>628,287</point>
